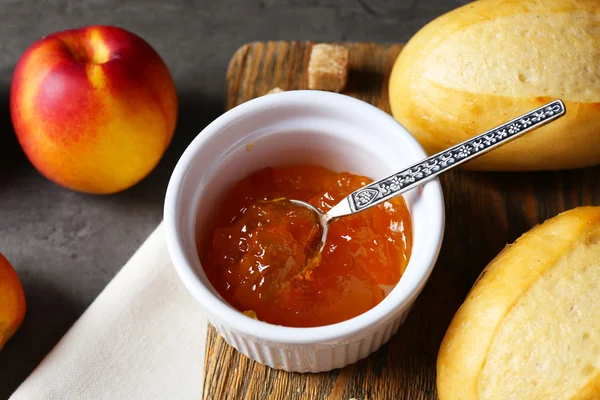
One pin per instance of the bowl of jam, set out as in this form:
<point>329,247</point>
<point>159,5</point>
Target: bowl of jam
<point>249,259</point>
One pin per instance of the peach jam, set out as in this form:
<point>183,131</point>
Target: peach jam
<point>258,255</point>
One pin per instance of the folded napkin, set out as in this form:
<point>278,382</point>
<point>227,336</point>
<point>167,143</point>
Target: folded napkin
<point>142,338</point>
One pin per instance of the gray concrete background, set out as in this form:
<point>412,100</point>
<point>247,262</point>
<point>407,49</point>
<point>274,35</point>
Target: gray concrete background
<point>67,246</point>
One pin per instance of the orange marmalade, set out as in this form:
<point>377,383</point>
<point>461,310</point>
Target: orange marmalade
<point>258,255</point>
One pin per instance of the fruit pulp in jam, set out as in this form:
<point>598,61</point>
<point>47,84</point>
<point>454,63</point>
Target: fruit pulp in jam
<point>258,256</point>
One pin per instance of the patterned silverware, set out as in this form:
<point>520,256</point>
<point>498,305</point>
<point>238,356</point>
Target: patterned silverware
<point>427,169</point>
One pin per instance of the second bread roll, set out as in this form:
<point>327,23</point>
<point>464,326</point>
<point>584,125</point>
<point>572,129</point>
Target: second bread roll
<point>530,326</point>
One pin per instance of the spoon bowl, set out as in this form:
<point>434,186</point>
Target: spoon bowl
<point>322,218</point>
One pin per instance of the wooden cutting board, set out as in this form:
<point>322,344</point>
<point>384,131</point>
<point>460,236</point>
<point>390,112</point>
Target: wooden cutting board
<point>484,212</point>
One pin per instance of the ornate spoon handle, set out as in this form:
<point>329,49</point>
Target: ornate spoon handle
<point>429,168</point>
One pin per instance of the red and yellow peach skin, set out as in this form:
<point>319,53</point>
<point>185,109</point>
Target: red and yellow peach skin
<point>94,108</point>
<point>12,301</point>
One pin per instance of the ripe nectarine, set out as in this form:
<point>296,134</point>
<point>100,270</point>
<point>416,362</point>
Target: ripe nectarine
<point>93,108</point>
<point>12,301</point>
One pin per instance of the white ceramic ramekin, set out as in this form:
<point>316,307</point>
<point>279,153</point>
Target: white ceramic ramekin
<point>332,130</point>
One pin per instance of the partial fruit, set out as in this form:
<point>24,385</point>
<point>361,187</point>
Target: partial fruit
<point>93,108</point>
<point>12,301</point>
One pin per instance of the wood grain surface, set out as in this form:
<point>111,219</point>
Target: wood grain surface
<point>484,212</point>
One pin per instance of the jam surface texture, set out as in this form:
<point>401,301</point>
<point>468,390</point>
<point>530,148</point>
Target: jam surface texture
<point>261,254</point>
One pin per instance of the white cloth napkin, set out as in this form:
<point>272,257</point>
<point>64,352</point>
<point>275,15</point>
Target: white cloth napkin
<point>142,338</point>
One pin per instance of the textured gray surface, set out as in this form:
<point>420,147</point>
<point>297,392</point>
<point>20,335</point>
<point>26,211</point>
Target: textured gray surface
<point>67,246</point>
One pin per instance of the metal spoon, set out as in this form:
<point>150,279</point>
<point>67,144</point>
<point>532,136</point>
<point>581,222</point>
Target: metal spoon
<point>427,169</point>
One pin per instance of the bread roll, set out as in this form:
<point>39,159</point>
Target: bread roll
<point>530,326</point>
<point>492,60</point>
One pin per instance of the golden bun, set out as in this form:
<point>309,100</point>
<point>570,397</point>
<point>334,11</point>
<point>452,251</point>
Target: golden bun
<point>492,60</point>
<point>530,326</point>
